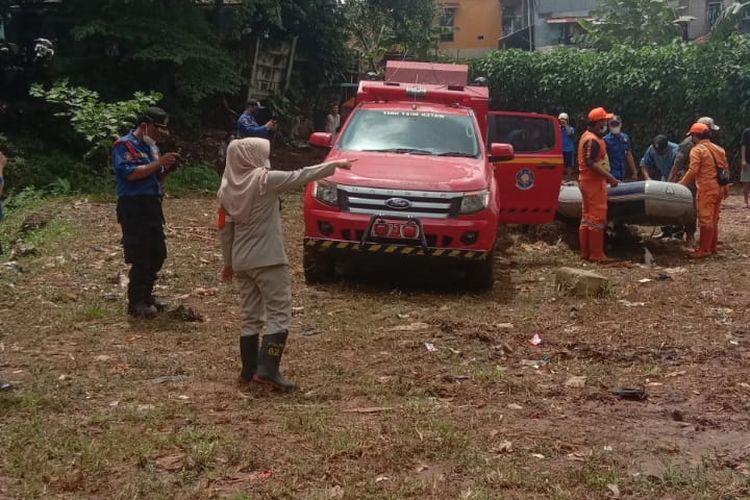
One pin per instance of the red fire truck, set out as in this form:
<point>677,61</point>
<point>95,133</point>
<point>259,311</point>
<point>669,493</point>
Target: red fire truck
<point>436,174</point>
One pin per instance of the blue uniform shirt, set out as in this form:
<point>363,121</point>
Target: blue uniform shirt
<point>248,127</point>
<point>660,164</point>
<point>568,141</point>
<point>127,154</point>
<point>618,147</point>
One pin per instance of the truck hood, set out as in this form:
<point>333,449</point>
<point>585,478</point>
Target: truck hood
<point>416,172</point>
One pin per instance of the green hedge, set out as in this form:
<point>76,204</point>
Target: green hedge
<point>655,89</point>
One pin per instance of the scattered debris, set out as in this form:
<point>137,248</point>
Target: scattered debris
<point>663,277</point>
<point>169,378</point>
<point>576,381</point>
<point>580,283</point>
<point>23,250</point>
<point>505,326</point>
<point>374,409</point>
<point>296,311</point>
<point>102,358</point>
<point>171,463</point>
<point>627,303</point>
<point>380,479</point>
<point>538,455</point>
<point>430,347</point>
<point>335,493</point>
<point>614,489</point>
<point>310,332</point>
<point>187,314</point>
<point>535,340</point>
<point>249,477</point>
<point>205,292</point>
<point>514,406</point>
<point>13,266</point>
<point>630,394</point>
<point>403,316</point>
<point>531,363</point>
<point>675,270</point>
<point>412,327</point>
<point>504,447</point>
<point>644,281</point>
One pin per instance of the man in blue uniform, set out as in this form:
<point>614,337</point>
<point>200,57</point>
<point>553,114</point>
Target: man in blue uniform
<point>569,143</point>
<point>247,125</point>
<point>619,151</point>
<point>140,171</point>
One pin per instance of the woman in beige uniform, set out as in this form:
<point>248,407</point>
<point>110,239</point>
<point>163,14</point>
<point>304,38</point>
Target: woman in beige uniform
<point>253,248</point>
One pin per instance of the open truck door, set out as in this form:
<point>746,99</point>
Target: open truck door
<point>528,186</point>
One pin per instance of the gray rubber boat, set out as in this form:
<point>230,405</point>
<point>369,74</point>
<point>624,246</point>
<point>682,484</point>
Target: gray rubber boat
<point>643,203</point>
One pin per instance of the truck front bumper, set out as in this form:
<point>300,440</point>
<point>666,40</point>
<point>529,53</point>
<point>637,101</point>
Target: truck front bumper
<point>343,247</point>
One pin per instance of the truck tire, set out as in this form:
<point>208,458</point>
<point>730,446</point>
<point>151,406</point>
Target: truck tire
<point>319,268</point>
<point>480,275</point>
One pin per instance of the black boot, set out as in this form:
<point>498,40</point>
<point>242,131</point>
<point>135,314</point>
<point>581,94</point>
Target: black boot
<point>141,310</point>
<point>249,356</point>
<point>159,305</point>
<point>270,359</point>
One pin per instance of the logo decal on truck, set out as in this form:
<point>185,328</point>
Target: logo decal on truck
<point>398,203</point>
<point>524,179</point>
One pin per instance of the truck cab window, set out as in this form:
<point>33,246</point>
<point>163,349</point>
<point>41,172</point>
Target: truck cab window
<point>526,134</point>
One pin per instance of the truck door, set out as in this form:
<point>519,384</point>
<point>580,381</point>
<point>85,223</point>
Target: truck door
<point>528,186</point>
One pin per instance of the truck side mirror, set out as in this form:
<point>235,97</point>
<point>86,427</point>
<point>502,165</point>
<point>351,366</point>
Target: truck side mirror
<point>501,152</point>
<point>321,140</point>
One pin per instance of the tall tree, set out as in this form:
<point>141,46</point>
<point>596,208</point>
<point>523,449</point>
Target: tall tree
<point>631,22</point>
<point>377,26</point>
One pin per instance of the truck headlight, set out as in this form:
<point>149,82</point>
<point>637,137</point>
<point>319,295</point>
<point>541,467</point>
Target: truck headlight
<point>475,202</point>
<point>326,192</point>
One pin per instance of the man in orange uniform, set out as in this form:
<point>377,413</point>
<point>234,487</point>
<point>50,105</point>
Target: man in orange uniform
<point>706,158</point>
<point>594,175</point>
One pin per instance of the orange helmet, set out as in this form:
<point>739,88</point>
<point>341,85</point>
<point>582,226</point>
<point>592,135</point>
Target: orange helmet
<point>599,114</point>
<point>698,129</point>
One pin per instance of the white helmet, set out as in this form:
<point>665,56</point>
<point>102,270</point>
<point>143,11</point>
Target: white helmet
<point>563,116</point>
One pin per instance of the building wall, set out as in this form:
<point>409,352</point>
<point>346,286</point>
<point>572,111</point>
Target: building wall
<point>477,28</point>
<point>549,35</point>
<point>699,9</point>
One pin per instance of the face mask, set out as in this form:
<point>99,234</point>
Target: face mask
<point>151,143</point>
<point>615,130</point>
<point>603,130</point>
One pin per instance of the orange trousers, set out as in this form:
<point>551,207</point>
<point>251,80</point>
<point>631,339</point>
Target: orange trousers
<point>708,205</point>
<point>594,194</point>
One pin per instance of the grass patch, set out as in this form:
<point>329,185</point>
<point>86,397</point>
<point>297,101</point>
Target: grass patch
<point>191,179</point>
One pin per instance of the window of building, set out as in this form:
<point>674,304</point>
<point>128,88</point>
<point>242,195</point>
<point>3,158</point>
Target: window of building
<point>713,10</point>
<point>447,24</point>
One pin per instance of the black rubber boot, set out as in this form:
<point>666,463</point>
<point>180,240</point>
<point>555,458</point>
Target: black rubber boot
<point>159,305</point>
<point>270,359</point>
<point>141,310</point>
<point>249,356</point>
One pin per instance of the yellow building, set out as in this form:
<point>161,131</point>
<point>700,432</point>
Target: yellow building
<point>470,28</point>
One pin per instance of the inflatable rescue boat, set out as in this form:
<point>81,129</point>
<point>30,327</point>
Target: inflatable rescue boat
<point>643,203</point>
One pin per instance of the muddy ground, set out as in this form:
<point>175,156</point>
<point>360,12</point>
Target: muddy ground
<point>410,387</point>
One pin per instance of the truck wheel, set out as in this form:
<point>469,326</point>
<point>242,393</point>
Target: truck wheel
<point>319,268</point>
<point>480,275</point>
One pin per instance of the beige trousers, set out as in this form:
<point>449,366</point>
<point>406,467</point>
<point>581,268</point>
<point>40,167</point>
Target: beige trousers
<point>266,295</point>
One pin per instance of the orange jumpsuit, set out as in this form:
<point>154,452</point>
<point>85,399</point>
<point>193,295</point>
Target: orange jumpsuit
<point>705,158</point>
<point>594,193</point>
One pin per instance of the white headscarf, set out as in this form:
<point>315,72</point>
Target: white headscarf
<point>245,177</point>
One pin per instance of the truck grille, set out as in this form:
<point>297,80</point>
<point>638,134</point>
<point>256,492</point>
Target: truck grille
<point>399,203</point>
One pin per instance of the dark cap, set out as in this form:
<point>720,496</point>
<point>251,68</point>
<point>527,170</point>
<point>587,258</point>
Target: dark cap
<point>154,115</point>
<point>661,141</point>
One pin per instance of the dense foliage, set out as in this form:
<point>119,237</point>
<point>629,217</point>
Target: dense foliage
<point>656,89</point>
<point>98,123</point>
<point>631,22</point>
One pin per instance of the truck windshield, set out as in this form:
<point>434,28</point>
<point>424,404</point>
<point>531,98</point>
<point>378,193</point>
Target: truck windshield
<point>412,132</point>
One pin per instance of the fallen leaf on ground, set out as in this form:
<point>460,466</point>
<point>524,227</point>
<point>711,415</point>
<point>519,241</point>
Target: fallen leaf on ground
<point>412,327</point>
<point>171,463</point>
<point>576,381</point>
<point>430,347</point>
<point>504,447</point>
<point>380,479</point>
<point>538,455</point>
<point>374,409</point>
<point>614,489</point>
<point>249,477</point>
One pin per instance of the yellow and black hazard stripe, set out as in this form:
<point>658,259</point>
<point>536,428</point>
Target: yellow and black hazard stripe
<point>377,248</point>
